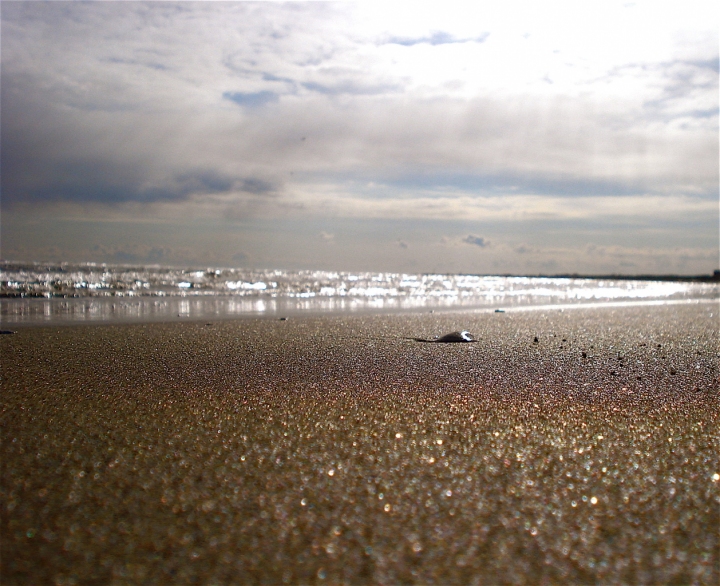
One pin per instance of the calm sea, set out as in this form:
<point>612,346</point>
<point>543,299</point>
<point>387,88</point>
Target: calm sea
<point>35,293</point>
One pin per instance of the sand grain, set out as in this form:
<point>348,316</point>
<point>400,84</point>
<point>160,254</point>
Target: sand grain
<point>333,450</point>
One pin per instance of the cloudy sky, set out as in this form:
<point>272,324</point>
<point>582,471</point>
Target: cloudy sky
<point>479,137</point>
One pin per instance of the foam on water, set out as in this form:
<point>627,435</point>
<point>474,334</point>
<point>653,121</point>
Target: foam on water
<point>42,293</point>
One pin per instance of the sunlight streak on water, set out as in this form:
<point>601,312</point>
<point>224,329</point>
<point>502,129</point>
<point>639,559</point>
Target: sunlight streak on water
<point>37,293</point>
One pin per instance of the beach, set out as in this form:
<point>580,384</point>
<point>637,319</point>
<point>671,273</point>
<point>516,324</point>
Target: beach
<point>576,446</point>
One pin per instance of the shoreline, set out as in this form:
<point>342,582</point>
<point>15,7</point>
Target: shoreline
<point>713,277</point>
<point>326,449</point>
<point>214,309</point>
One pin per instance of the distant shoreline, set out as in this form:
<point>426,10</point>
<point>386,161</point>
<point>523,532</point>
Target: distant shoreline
<point>714,278</point>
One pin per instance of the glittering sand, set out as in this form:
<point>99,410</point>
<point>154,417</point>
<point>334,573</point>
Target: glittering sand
<point>332,450</point>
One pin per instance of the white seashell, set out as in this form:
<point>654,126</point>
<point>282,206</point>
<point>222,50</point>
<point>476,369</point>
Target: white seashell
<point>463,336</point>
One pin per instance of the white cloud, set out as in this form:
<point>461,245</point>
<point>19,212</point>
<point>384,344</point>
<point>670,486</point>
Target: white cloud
<point>155,90</point>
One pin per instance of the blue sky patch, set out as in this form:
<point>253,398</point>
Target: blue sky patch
<point>253,99</point>
<point>437,38</point>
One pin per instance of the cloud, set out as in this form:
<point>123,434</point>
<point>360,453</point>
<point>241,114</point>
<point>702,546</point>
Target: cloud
<point>624,210</point>
<point>256,186</point>
<point>476,241</point>
<point>89,124</point>
<point>289,111</point>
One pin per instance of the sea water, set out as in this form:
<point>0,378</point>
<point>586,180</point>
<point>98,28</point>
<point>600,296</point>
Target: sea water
<point>36,293</point>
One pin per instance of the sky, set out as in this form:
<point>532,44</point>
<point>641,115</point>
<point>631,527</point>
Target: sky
<point>474,137</point>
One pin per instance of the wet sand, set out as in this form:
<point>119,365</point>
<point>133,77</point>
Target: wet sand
<point>333,450</point>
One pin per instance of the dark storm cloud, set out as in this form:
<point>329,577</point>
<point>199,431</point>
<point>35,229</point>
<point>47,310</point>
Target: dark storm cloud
<point>48,154</point>
<point>112,182</point>
<point>205,181</point>
<point>257,186</point>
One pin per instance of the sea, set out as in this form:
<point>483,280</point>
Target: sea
<point>71,293</point>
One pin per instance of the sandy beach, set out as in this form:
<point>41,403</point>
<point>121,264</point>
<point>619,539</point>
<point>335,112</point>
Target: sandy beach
<point>562,447</point>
